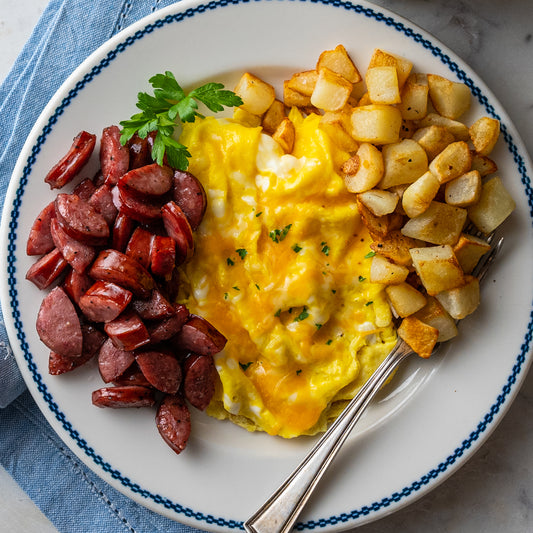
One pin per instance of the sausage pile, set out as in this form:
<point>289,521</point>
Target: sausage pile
<point>110,250</point>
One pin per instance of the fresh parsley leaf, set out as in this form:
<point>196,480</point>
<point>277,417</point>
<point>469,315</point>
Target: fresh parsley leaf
<point>297,248</point>
<point>369,255</point>
<point>245,366</point>
<point>302,316</point>
<point>278,235</point>
<point>242,253</point>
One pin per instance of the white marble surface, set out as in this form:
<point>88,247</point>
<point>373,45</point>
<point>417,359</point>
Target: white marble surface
<point>493,492</point>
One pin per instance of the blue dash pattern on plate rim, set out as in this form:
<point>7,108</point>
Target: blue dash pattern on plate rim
<point>11,260</point>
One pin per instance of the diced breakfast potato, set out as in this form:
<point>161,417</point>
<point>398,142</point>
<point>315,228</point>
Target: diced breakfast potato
<point>405,299</point>
<point>331,90</point>
<point>464,190</point>
<point>421,337</point>
<point>384,271</point>
<point>469,249</point>
<point>433,139</point>
<point>376,123</point>
<point>382,85</point>
<point>449,98</point>
<point>494,206</point>
<point>414,97</point>
<point>438,268</point>
<point>379,202</point>
<point>456,128</point>
<point>303,82</point>
<point>433,314</point>
<point>364,170</point>
<point>404,162</point>
<point>340,62</point>
<point>483,164</point>
<point>452,162</point>
<point>246,118</point>
<point>396,247</point>
<point>338,127</point>
<point>381,58</point>
<point>273,116</point>
<point>378,226</point>
<point>440,223</point>
<point>461,301</point>
<point>484,134</point>
<point>293,98</point>
<point>419,194</point>
<point>256,94</point>
<point>284,135</point>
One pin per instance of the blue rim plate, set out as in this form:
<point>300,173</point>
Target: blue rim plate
<point>435,414</point>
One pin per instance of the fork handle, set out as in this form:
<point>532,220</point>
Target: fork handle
<point>282,509</point>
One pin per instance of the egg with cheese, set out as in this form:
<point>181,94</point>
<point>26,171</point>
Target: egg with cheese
<point>281,268</point>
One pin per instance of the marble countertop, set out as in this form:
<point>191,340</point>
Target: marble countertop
<point>493,492</point>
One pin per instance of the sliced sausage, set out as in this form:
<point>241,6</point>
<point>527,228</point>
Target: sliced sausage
<point>132,376</point>
<point>190,195</point>
<point>78,254</point>
<point>76,285</point>
<point>113,362</point>
<point>122,229</point>
<point>123,396</point>
<point>58,324</point>
<point>140,246</point>
<point>199,375</point>
<point>40,239</point>
<point>114,266</point>
<point>102,201</point>
<point>151,180</point>
<point>72,162</point>
<point>85,189</point>
<point>178,228</point>
<point>173,422</point>
<point>140,209</point>
<point>199,336</point>
<point>81,220</point>
<point>104,301</point>
<point>166,328</point>
<point>114,158</point>
<point>139,152</point>
<point>47,269</point>
<point>154,308</point>
<point>127,331</point>
<point>162,256</point>
<point>161,369</point>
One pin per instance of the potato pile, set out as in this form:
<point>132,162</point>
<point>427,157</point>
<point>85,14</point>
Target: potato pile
<point>419,175</point>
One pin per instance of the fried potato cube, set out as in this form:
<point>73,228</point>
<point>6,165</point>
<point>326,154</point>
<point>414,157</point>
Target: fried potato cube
<point>483,164</point>
<point>403,66</point>
<point>396,247</point>
<point>382,85</point>
<point>433,139</point>
<point>331,90</point>
<point>339,62</point>
<point>456,128</point>
<point>405,299</point>
<point>256,94</point>
<point>437,267</point>
<point>404,161</point>
<point>303,82</point>
<point>461,301</point>
<point>464,190</point>
<point>494,206</point>
<point>434,315</point>
<point>338,127</point>
<point>469,249</point>
<point>440,223</point>
<point>449,98</point>
<point>378,227</point>
<point>292,98</point>
<point>414,97</point>
<point>364,170</point>
<point>246,118</point>
<point>484,134</point>
<point>454,161</point>
<point>384,271</point>
<point>419,336</point>
<point>284,135</point>
<point>419,194</point>
<point>408,129</point>
<point>379,202</point>
<point>273,117</point>
<point>376,123</point>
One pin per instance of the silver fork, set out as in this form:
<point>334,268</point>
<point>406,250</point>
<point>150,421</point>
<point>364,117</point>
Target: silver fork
<point>281,510</point>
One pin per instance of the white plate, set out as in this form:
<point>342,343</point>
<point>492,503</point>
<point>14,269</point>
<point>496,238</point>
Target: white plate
<point>420,431</point>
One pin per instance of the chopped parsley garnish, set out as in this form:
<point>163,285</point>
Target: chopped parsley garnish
<point>369,255</point>
<point>258,287</point>
<point>334,291</point>
<point>277,313</point>
<point>369,303</point>
<point>302,316</point>
<point>236,288</point>
<point>362,278</point>
<point>230,261</point>
<point>245,366</point>
<point>297,248</point>
<point>169,105</point>
<point>225,296</point>
<point>259,214</point>
<point>278,235</point>
<point>242,253</point>
<point>299,371</point>
<point>318,326</point>
<point>328,342</point>
<point>325,248</point>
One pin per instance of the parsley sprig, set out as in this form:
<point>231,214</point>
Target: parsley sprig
<point>169,105</point>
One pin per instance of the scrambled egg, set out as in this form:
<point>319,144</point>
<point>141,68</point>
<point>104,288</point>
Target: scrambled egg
<point>281,268</point>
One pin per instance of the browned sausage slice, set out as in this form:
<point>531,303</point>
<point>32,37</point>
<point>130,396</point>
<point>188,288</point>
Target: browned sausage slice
<point>123,396</point>
<point>85,189</point>
<point>161,369</point>
<point>150,180</point>
<point>154,308</point>
<point>47,269</point>
<point>132,376</point>
<point>40,239</point>
<point>199,380</point>
<point>114,158</point>
<point>163,256</point>
<point>128,331</point>
<point>178,227</point>
<point>140,209</point>
<point>166,328</point>
<point>104,301</point>
<point>174,422</point>
<point>199,336</point>
<point>114,266</point>
<point>102,201</point>
<point>81,220</point>
<point>140,246</point>
<point>76,285</point>
<point>190,195</point>
<point>139,152</point>
<point>78,254</point>
<point>122,230</point>
<point>58,324</point>
<point>113,362</point>
<point>72,162</point>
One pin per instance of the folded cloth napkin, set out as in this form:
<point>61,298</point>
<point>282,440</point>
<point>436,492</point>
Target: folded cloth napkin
<point>69,494</point>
